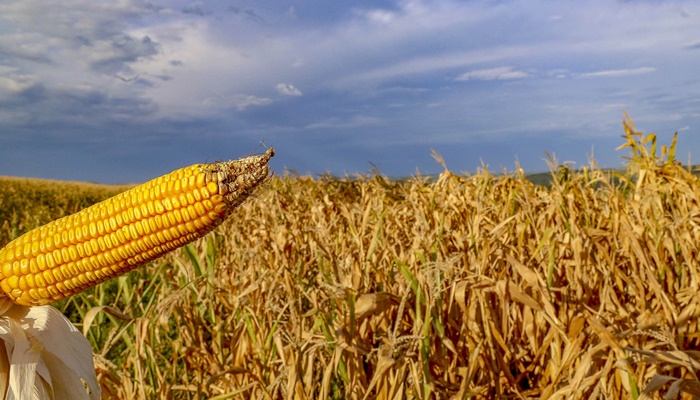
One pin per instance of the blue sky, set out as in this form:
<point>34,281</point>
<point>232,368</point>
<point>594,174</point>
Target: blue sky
<point>124,91</point>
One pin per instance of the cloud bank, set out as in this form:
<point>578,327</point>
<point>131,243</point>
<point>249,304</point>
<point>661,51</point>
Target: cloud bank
<point>337,87</point>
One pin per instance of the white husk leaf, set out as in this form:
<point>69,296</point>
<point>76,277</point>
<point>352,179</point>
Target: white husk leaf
<point>43,356</point>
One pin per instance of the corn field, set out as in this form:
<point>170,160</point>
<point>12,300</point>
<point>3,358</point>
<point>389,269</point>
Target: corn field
<point>455,287</point>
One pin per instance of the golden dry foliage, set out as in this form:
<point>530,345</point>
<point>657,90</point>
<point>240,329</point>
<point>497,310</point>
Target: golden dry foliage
<point>476,286</point>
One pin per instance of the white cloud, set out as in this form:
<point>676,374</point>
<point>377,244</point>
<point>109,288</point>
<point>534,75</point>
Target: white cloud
<point>380,16</point>
<point>288,89</point>
<point>237,101</point>
<point>10,85</point>
<point>499,73</point>
<point>615,73</point>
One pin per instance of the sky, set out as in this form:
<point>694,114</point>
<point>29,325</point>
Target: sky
<point>124,91</point>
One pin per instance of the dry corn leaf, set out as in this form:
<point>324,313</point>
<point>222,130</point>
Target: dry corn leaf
<point>92,313</point>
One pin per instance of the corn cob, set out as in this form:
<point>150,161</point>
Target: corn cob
<point>110,238</point>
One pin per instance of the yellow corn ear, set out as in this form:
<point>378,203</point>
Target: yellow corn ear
<point>112,237</point>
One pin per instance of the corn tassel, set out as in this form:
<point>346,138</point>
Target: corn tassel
<point>115,236</point>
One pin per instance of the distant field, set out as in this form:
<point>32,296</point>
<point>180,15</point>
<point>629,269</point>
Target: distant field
<point>480,286</point>
<point>26,203</point>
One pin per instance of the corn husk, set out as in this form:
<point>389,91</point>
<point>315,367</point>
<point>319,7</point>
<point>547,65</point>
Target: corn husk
<point>43,356</point>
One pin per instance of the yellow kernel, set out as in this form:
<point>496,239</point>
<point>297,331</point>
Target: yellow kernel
<point>75,268</point>
<point>72,253</point>
<point>95,246</point>
<point>191,213</point>
<point>48,277</point>
<point>122,253</point>
<point>190,227</point>
<point>178,216</point>
<point>43,293</point>
<point>94,262</point>
<point>107,255</point>
<point>16,268</point>
<point>182,229</point>
<point>80,250</point>
<point>49,245</point>
<point>139,228</point>
<point>39,280</point>
<point>31,293</point>
<point>7,270</point>
<point>24,266</point>
<point>217,198</point>
<point>101,243</point>
<point>13,281</point>
<point>57,274</point>
<point>64,255</point>
<point>198,224</point>
<point>129,249</point>
<point>61,286</point>
<point>113,224</point>
<point>206,220</point>
<point>9,255</point>
<point>169,219</point>
<point>152,226</point>
<point>133,233</point>
<point>167,204</point>
<point>146,240</point>
<point>30,280</point>
<point>23,283</point>
<point>41,262</point>
<point>139,246</point>
<point>200,179</point>
<point>53,291</point>
<point>212,188</point>
<point>115,256</point>
<point>33,267</point>
<point>150,208</point>
<point>16,294</point>
<point>93,229</point>
<point>5,286</point>
<point>50,261</point>
<point>120,237</point>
